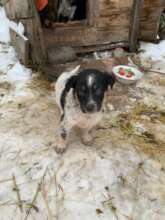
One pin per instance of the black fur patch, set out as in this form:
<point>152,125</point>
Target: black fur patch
<point>62,117</point>
<point>70,84</point>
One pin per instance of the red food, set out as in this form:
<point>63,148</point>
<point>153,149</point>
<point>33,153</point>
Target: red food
<point>126,72</point>
<point>130,74</point>
<point>121,71</point>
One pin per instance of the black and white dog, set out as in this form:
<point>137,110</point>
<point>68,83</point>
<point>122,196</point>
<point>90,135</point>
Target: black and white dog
<point>80,96</point>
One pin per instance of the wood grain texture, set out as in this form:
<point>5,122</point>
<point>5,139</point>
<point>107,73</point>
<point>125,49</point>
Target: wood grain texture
<point>135,24</point>
<point>108,22</point>
<point>150,17</point>
<point>21,46</point>
<point>16,9</point>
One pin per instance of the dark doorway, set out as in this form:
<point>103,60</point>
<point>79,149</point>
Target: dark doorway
<point>71,10</point>
<point>63,11</point>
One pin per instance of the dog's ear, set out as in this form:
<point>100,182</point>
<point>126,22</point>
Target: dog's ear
<point>70,84</point>
<point>110,79</point>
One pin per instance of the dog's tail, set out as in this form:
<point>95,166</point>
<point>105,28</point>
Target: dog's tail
<point>75,70</point>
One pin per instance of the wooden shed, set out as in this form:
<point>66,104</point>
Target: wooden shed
<point>105,24</point>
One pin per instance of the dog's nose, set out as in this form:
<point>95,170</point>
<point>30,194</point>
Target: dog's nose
<point>90,107</point>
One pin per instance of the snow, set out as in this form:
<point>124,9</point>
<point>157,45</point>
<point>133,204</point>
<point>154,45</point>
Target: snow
<point>119,177</point>
<point>5,24</point>
<point>9,64</point>
<point>154,51</point>
<point>19,73</point>
<point>8,58</point>
<point>114,176</point>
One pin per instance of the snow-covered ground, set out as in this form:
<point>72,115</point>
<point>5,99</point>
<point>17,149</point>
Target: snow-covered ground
<point>153,51</point>
<point>120,177</point>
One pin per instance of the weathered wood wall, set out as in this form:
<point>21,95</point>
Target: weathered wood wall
<point>25,12</point>
<point>150,17</point>
<point>21,44</point>
<point>17,9</point>
<point>110,23</point>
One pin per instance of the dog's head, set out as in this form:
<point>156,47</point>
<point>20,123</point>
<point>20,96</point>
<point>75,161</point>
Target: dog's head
<point>89,87</point>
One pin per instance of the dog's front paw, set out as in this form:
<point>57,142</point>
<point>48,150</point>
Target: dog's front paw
<point>87,139</point>
<point>60,148</point>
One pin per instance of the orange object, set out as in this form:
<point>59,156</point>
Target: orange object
<point>41,4</point>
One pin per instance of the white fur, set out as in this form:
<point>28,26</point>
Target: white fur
<point>90,80</point>
<point>73,116</point>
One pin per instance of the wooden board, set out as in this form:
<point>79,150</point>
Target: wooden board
<point>16,9</point>
<point>21,45</point>
<point>112,20</point>
<point>150,18</point>
<point>135,24</point>
<point>114,6</point>
<point>84,36</point>
<point>34,33</point>
<point>101,47</point>
<point>107,22</point>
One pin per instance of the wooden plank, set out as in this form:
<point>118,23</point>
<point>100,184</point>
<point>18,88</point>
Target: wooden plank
<point>72,36</point>
<point>33,31</point>
<point>92,12</point>
<point>101,47</point>
<point>150,18</point>
<point>151,14</point>
<point>21,45</point>
<point>114,4</point>
<point>107,8</point>
<point>113,35</point>
<point>135,24</point>
<point>122,19</point>
<point>153,3</point>
<point>150,31</point>
<point>85,36</point>
<point>16,9</point>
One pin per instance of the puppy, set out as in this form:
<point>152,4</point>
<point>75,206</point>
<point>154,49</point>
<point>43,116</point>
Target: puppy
<point>80,96</point>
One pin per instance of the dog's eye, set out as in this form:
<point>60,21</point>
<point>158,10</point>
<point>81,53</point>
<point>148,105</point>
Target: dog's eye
<point>82,89</point>
<point>97,89</point>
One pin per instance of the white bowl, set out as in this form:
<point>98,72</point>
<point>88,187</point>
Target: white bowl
<point>123,79</point>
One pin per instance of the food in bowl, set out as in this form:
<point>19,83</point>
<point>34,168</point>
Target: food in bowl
<point>127,74</point>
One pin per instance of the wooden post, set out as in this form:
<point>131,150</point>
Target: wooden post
<point>21,45</point>
<point>135,24</point>
<point>26,12</point>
